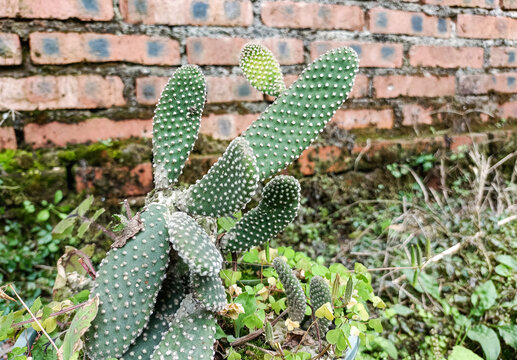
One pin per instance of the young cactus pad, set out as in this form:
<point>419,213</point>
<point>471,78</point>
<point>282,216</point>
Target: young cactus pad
<point>261,69</point>
<point>193,245</point>
<point>320,295</point>
<point>127,283</point>
<point>176,123</point>
<point>228,186</point>
<point>296,302</point>
<point>209,291</point>
<point>279,205</point>
<point>191,335</point>
<point>294,120</point>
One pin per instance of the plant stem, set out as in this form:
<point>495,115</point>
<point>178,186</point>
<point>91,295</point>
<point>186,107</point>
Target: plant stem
<point>60,312</point>
<point>256,333</point>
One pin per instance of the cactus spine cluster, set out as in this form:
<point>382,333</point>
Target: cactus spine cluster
<point>320,295</point>
<point>175,248</point>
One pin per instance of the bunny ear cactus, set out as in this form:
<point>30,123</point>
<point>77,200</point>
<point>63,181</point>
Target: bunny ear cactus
<point>135,321</point>
<point>320,295</point>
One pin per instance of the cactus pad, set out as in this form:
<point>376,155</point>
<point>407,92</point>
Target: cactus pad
<point>193,245</point>
<point>209,291</point>
<point>320,294</point>
<point>277,209</point>
<point>294,120</point>
<point>296,302</point>
<point>261,69</point>
<point>191,335</point>
<point>127,283</point>
<point>228,186</point>
<point>176,123</point>
<point>169,300</point>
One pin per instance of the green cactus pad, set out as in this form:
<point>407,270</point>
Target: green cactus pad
<point>193,245</point>
<point>169,300</point>
<point>294,120</point>
<point>191,335</point>
<point>296,302</point>
<point>320,294</point>
<point>176,123</point>
<point>277,209</point>
<point>261,69</point>
<point>127,283</point>
<point>209,291</point>
<point>228,186</point>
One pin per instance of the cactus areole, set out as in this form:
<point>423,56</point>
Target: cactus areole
<point>159,291</point>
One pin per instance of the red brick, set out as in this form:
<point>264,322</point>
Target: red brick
<point>225,51</point>
<point>446,56</point>
<point>61,92</point>
<point>508,110</point>
<point>364,118</point>
<point>405,85</point>
<point>486,27</point>
<point>330,158</point>
<point>7,138</point>
<point>67,48</point>
<point>484,83</point>
<point>487,4</point>
<point>91,130</point>
<point>226,126</point>
<point>370,54</point>
<point>311,15</point>
<point>386,21</point>
<point>188,12</point>
<point>503,57</point>
<point>219,89</point>
<point>509,4</point>
<point>413,114</point>
<point>457,141</point>
<point>100,10</point>
<point>10,50</point>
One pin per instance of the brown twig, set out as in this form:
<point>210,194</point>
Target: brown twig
<point>60,312</point>
<point>313,315</point>
<point>256,333</point>
<point>108,232</point>
<point>234,261</point>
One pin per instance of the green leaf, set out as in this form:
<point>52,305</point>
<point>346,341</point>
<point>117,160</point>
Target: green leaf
<point>81,322</point>
<point>58,196</point>
<point>230,277</point>
<point>461,353</point>
<point>64,225</point>
<point>333,336</point>
<point>226,223</point>
<point>388,347</point>
<point>484,296</point>
<point>85,206</point>
<point>508,261</point>
<point>503,270</point>
<point>375,324</point>
<point>43,215</point>
<point>488,340</point>
<point>509,334</point>
<point>36,305</point>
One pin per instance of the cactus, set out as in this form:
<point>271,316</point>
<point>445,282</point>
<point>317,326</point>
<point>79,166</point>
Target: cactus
<point>320,294</point>
<point>296,302</point>
<point>133,320</point>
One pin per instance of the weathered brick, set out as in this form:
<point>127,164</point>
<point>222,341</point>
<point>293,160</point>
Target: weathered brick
<point>508,110</point>
<point>67,48</point>
<point>509,4</point>
<point>225,51</point>
<point>486,27</point>
<point>100,10</point>
<point>311,15</point>
<point>364,118</point>
<point>61,92</point>
<point>370,54</point>
<point>391,86</point>
<point>503,57</point>
<point>226,126</point>
<point>220,89</point>
<point>484,83</point>
<point>10,50</point>
<point>91,130</point>
<point>387,21</point>
<point>413,114</point>
<point>446,56</point>
<point>7,138</point>
<point>486,4</point>
<point>188,12</point>
<point>329,158</point>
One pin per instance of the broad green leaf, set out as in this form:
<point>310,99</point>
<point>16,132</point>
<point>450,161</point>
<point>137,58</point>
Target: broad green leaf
<point>503,270</point>
<point>84,206</point>
<point>509,335</point>
<point>333,336</point>
<point>484,296</point>
<point>81,322</point>
<point>64,225</point>
<point>43,215</point>
<point>461,353</point>
<point>488,340</point>
<point>375,324</point>
<point>58,196</point>
<point>325,311</point>
<point>508,261</point>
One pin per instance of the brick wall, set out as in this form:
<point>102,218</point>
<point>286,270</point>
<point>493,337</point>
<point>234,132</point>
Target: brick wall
<point>87,70</point>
